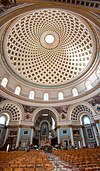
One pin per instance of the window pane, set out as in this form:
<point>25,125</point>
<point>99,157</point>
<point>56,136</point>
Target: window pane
<point>60,96</point>
<point>31,95</point>
<point>17,90</point>
<point>46,97</point>
<point>86,120</point>
<point>75,92</point>
<point>4,82</point>
<point>2,120</point>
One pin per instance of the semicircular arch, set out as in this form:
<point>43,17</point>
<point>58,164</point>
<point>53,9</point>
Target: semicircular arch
<point>79,109</point>
<point>54,111</point>
<point>13,109</point>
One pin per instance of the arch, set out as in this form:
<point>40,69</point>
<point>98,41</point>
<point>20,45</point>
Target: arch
<point>13,109</point>
<point>75,92</point>
<point>82,112</point>
<point>17,90</point>
<point>46,97</point>
<point>6,117</point>
<point>31,94</point>
<point>55,116</point>
<point>60,96</point>
<point>43,122</point>
<point>2,120</point>
<point>85,119</point>
<point>4,82</point>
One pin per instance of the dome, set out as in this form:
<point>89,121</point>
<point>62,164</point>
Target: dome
<point>49,46</point>
<point>49,53</point>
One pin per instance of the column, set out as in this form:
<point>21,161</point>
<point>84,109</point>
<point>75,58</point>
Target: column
<point>68,142</point>
<point>95,135</point>
<point>18,137</point>
<point>98,128</point>
<point>58,135</point>
<point>31,138</point>
<point>71,136</point>
<point>6,135</point>
<point>83,140</point>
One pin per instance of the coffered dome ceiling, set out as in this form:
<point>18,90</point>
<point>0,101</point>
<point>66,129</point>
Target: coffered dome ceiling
<point>49,47</point>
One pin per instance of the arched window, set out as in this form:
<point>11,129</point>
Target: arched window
<point>31,95</point>
<point>88,85</point>
<point>98,72</point>
<point>60,96</point>
<point>75,92</point>
<point>4,82</point>
<point>86,120</point>
<point>46,96</point>
<point>2,120</point>
<point>17,90</point>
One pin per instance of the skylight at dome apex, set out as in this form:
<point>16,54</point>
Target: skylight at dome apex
<point>35,60</point>
<point>49,38</point>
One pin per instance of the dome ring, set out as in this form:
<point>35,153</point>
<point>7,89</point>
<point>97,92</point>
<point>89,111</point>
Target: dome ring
<point>51,45</point>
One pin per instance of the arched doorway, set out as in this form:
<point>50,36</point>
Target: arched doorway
<point>45,124</point>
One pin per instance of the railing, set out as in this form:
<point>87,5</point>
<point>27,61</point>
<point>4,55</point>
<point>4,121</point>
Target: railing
<point>85,3</point>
